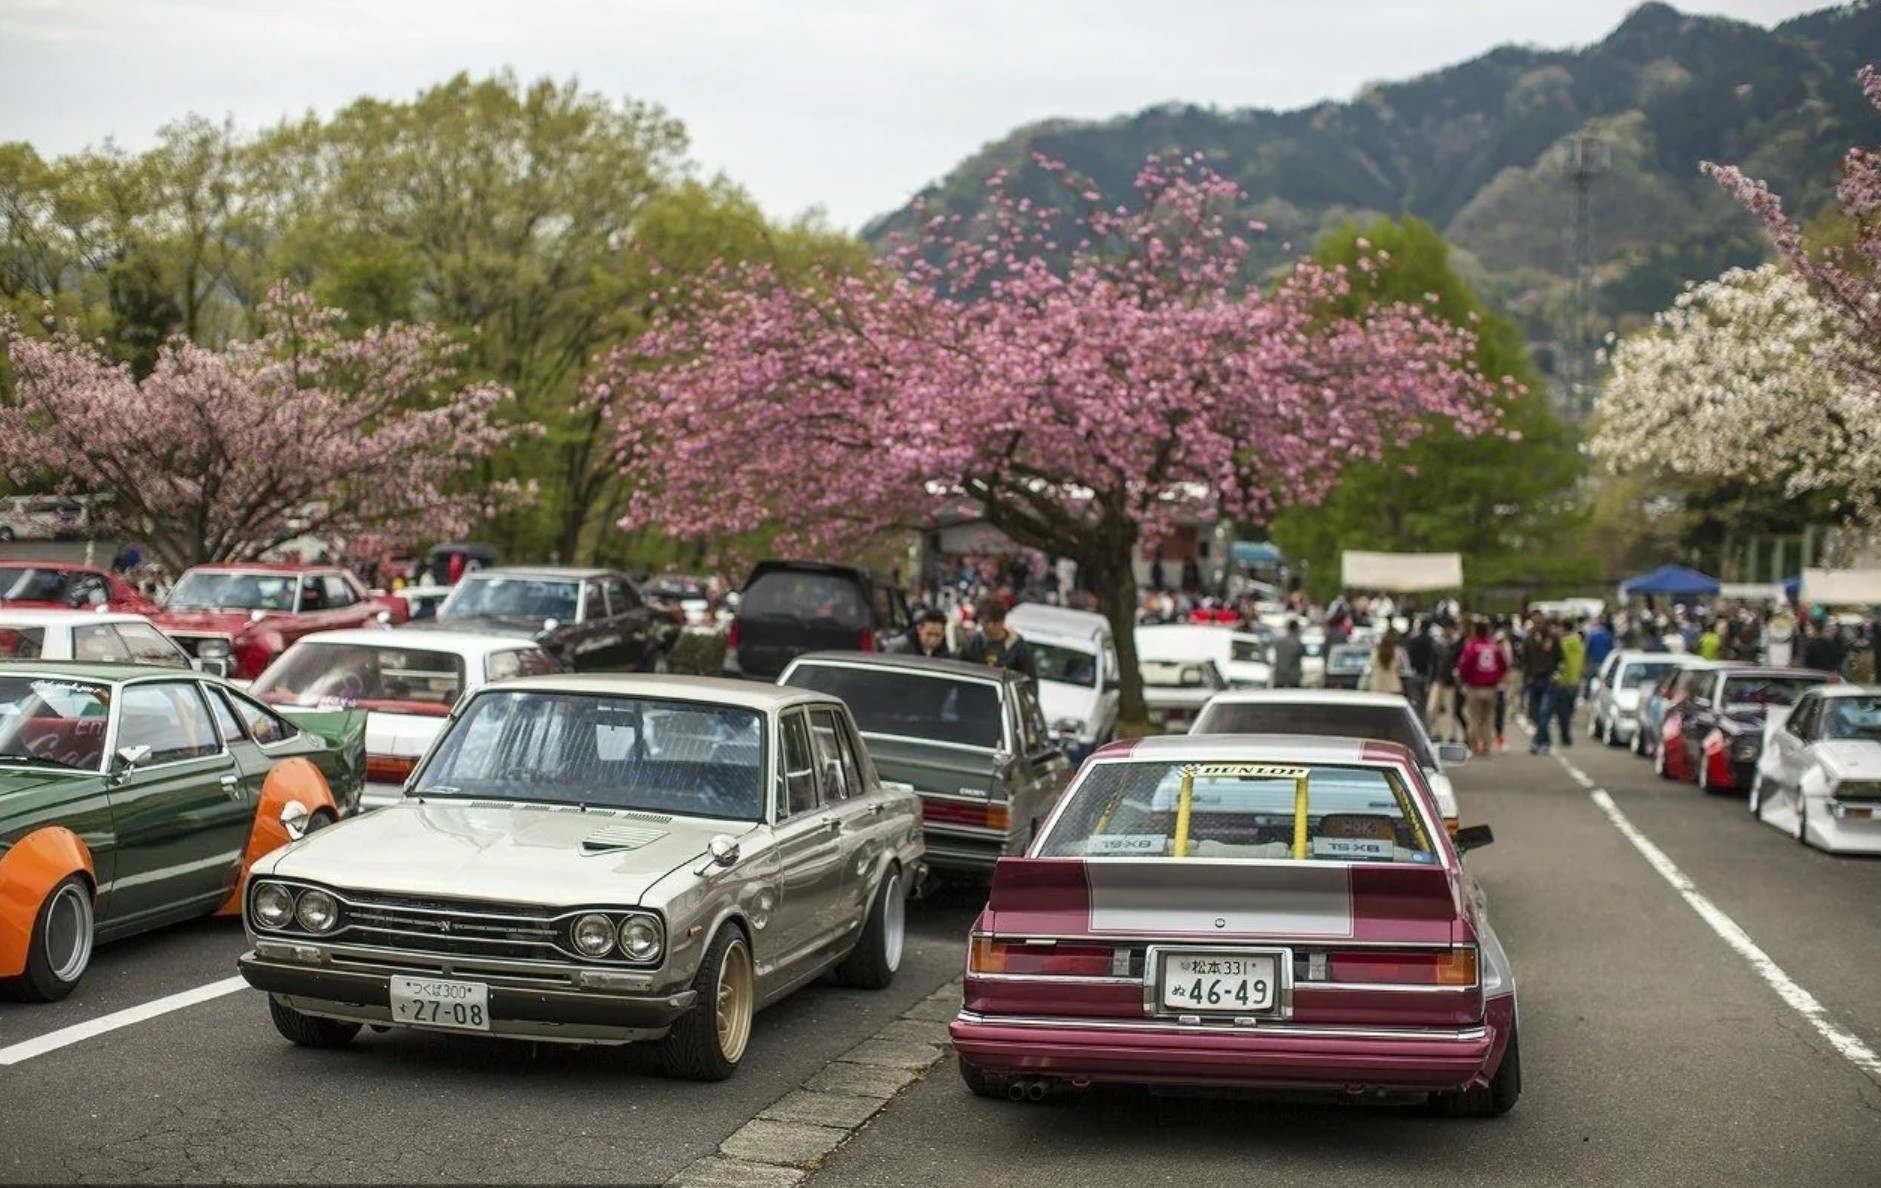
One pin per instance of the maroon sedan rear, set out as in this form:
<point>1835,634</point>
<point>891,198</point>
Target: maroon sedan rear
<point>1243,911</point>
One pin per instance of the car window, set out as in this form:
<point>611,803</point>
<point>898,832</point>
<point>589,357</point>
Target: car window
<point>171,719</point>
<point>313,596</point>
<point>146,645</point>
<point>227,725</point>
<point>523,597</point>
<point>620,596</point>
<point>1766,690</point>
<point>536,662</point>
<point>501,666</point>
<point>98,641</point>
<point>1641,673</point>
<point>264,725</point>
<point>806,597</point>
<point>339,592</point>
<point>593,601</point>
<point>834,765</point>
<point>1031,717</point>
<point>799,767</point>
<point>910,704</point>
<point>87,589</point>
<point>1176,674</point>
<point>395,676</point>
<point>1802,721</point>
<point>22,643</point>
<point>1241,810</point>
<point>1067,666</point>
<point>1848,717</point>
<point>54,719</point>
<point>1320,719</point>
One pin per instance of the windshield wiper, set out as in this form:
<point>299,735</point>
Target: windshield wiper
<point>47,760</point>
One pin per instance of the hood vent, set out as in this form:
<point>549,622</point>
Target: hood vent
<point>620,837</point>
<point>634,815</point>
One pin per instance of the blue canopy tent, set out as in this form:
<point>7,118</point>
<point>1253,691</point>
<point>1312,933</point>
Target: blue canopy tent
<point>1254,552</point>
<point>1671,581</point>
<point>1792,586</point>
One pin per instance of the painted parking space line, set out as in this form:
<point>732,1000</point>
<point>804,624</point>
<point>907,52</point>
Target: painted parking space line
<point>1798,999</point>
<point>78,1033</point>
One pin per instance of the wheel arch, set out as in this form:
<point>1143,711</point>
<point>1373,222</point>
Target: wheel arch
<point>291,781</point>
<point>29,870</point>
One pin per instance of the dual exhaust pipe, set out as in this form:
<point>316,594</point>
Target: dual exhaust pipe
<point>1042,1088</point>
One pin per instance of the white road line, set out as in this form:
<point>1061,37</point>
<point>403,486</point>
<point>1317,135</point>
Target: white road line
<point>1800,1000</point>
<point>78,1033</point>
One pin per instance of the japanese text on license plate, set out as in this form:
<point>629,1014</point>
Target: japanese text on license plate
<point>438,1002</point>
<point>1237,983</point>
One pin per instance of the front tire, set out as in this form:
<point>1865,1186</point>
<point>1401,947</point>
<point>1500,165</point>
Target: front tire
<point>1492,1100</point>
<point>710,1039</point>
<point>309,1031</point>
<point>59,947</point>
<point>871,965</point>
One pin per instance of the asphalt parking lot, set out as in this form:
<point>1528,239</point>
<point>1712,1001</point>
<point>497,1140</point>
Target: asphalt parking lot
<point>1655,1051</point>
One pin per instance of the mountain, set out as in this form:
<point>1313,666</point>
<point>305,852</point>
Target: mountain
<point>1477,150</point>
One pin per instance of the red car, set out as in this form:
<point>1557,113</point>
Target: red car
<point>1243,911</point>
<point>1714,734</point>
<point>56,585</point>
<point>237,618</point>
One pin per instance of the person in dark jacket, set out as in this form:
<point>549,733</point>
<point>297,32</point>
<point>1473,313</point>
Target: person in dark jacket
<point>1539,660</point>
<point>995,645</point>
<point>1289,658</point>
<point>928,637</point>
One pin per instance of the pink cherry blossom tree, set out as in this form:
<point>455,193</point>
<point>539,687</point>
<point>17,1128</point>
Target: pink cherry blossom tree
<point>1084,408</point>
<point>223,455</point>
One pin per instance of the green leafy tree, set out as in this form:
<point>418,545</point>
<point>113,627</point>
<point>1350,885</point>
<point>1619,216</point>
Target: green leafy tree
<point>1509,503</point>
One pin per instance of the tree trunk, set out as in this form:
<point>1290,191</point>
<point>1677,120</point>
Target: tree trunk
<point>1114,581</point>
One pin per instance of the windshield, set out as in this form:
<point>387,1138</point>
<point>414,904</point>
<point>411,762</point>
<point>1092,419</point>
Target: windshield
<point>1390,723</point>
<point>212,590</point>
<point>680,757</point>
<point>1852,717</point>
<point>669,586</point>
<point>1635,676</point>
<point>1239,810</point>
<point>1767,690</point>
<point>53,722</point>
<point>1175,674</point>
<point>911,705</point>
<point>1067,666</point>
<point>513,597</point>
<point>26,584</point>
<point>386,678</point>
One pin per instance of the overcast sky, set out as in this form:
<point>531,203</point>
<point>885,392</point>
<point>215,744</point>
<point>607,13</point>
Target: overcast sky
<point>848,105</point>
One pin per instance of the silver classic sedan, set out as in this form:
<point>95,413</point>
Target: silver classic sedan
<point>597,859</point>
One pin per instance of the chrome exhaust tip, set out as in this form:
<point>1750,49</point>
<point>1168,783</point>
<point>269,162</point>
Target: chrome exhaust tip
<point>1015,1090</point>
<point>1036,1091</point>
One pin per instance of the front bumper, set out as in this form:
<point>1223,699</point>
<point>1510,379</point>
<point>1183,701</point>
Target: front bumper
<point>1275,1058</point>
<point>516,1012</point>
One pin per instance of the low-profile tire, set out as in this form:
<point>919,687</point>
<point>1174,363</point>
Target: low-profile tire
<point>309,1031</point>
<point>871,965</point>
<point>59,949</point>
<point>981,1083</point>
<point>710,1039</point>
<point>1493,1100</point>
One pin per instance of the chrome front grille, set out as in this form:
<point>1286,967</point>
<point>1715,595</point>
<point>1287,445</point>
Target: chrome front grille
<point>517,932</point>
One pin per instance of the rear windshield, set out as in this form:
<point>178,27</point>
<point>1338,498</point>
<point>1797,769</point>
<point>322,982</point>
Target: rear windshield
<point>1173,674</point>
<point>807,598</point>
<point>1245,651</point>
<point>911,706</point>
<point>514,597</point>
<point>1067,666</point>
<point>1240,810</point>
<point>1389,723</point>
<point>1767,690</point>
<point>360,676</point>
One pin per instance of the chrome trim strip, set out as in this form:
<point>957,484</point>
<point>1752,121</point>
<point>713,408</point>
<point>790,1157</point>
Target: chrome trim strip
<point>1387,987</point>
<point>1466,1035</point>
<point>1055,979</point>
<point>1208,943</point>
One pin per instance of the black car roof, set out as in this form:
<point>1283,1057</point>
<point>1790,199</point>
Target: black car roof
<point>776,565</point>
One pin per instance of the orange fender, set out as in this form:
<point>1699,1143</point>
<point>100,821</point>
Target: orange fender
<point>29,871</point>
<point>291,780</point>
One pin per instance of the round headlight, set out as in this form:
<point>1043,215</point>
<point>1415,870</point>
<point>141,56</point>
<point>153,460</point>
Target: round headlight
<point>640,938</point>
<point>593,935</point>
<point>273,905</point>
<point>318,911</point>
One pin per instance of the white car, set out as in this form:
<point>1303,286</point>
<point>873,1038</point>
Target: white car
<point>1181,666</point>
<point>97,636</point>
<point>1819,777</point>
<point>406,681</point>
<point>1625,680</point>
<point>1077,673</point>
<point>1242,656</point>
<point>1337,713</point>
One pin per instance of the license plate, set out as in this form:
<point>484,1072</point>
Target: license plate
<point>1228,983</point>
<point>433,1002</point>
<point>1859,814</point>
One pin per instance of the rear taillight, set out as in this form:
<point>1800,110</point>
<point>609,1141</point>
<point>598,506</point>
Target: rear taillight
<point>955,812</point>
<point>868,640</point>
<point>1436,967</point>
<point>990,955</point>
<point>731,637</point>
<point>388,769</point>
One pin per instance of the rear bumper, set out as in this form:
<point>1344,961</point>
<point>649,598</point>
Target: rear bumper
<point>1296,1058</point>
<point>515,1012</point>
<point>959,854</point>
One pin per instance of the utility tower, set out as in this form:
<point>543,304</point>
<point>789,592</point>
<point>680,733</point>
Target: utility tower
<point>1585,159</point>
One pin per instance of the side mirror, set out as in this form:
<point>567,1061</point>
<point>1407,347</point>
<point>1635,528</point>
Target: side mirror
<point>549,625</point>
<point>128,758</point>
<point>1452,753</point>
<point>723,849</point>
<point>1474,837</point>
<point>256,616</point>
<point>294,819</point>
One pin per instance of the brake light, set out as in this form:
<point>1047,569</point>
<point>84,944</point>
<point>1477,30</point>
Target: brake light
<point>388,769</point>
<point>868,640</point>
<point>956,812</point>
<point>990,955</point>
<point>731,636</point>
<point>1441,967</point>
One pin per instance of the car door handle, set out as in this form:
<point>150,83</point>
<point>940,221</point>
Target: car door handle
<point>833,825</point>
<point>877,809</point>
<point>229,781</point>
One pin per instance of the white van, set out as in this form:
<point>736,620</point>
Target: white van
<point>1077,672</point>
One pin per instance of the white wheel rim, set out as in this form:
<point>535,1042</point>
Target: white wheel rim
<point>68,933</point>
<point>894,923</point>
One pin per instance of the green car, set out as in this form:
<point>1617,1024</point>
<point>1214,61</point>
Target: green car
<point>132,797</point>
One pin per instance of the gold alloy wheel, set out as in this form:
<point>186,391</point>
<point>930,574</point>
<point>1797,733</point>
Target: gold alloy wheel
<point>734,1001</point>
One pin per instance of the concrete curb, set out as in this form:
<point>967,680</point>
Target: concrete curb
<point>791,1137</point>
